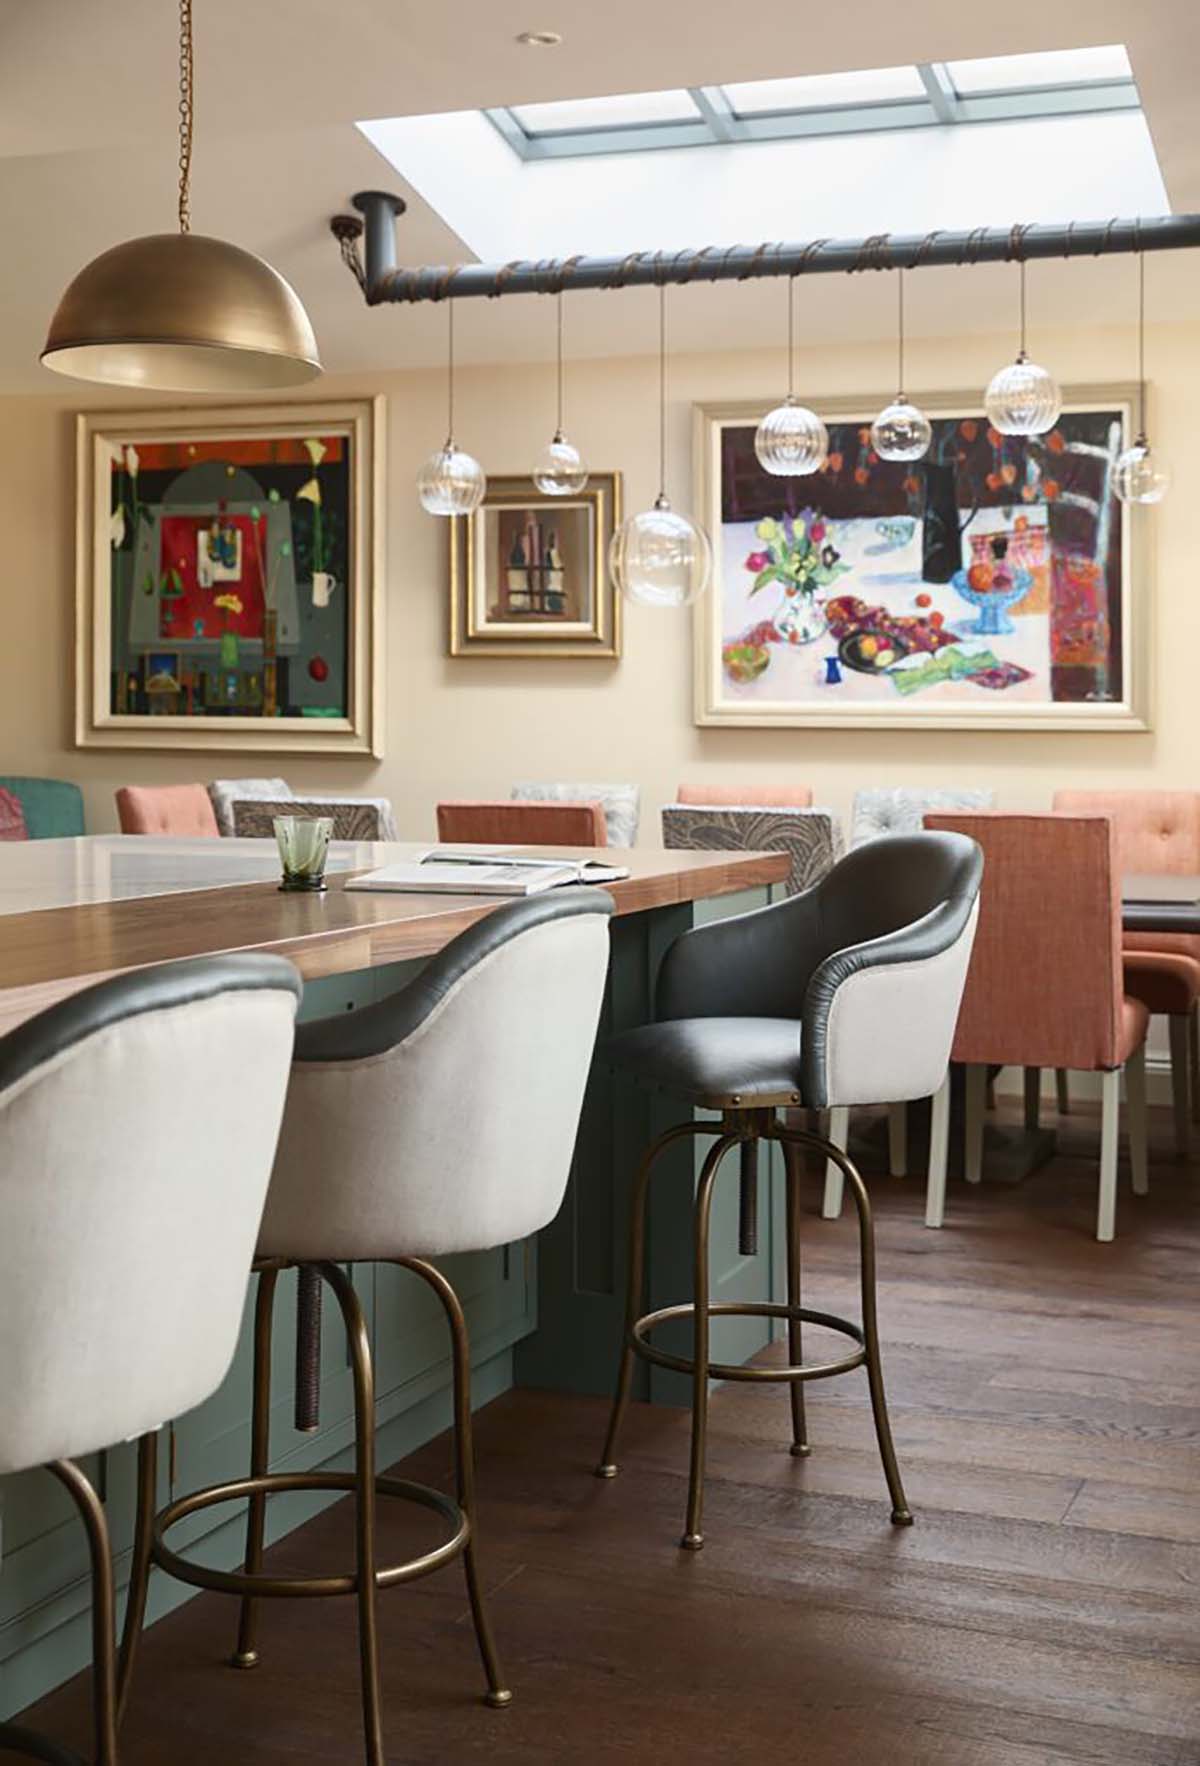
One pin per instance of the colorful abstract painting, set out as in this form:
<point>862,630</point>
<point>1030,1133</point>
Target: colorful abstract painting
<point>228,580</point>
<point>988,583</point>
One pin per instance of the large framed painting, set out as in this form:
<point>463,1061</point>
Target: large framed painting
<point>230,579</point>
<point>529,573</point>
<point>996,584</point>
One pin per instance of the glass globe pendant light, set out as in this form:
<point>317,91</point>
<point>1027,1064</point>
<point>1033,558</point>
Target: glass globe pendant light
<point>1023,399</point>
<point>1139,476</point>
<point>901,431</point>
<point>179,312</point>
<point>451,482</point>
<point>660,558</point>
<point>791,441</point>
<point>559,470</point>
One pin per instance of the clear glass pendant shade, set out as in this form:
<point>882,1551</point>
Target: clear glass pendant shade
<point>558,470</point>
<point>791,441</point>
<point>1023,399</point>
<point>451,482</point>
<point>1139,476</point>
<point>901,431</point>
<point>660,558</point>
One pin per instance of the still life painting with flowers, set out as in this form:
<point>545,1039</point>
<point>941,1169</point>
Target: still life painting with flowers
<point>989,583</point>
<point>227,576</point>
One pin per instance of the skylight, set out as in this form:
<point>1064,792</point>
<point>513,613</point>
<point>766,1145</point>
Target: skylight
<point>921,95</point>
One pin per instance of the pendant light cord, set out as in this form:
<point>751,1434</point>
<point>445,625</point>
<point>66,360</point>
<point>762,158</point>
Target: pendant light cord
<point>558,427</point>
<point>791,339</point>
<point>186,82</point>
<point>449,376</point>
<point>1141,345</point>
<point>662,392</point>
<point>900,337</point>
<point>1022,354</point>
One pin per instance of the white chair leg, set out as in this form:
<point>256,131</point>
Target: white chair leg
<point>1177,1027</point>
<point>1033,1097</point>
<point>939,1141</point>
<point>976,1094</point>
<point>1135,1099</point>
<point>839,1134</point>
<point>1110,1112</point>
<point>1064,1091</point>
<point>898,1140</point>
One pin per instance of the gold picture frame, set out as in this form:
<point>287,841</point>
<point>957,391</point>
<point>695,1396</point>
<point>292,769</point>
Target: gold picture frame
<point>295,661</point>
<point>529,573</point>
<point>1093,549</point>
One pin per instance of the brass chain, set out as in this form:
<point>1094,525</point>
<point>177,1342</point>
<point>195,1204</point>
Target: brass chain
<point>185,114</point>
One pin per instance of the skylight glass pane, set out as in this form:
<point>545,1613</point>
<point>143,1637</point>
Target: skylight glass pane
<point>623,110</point>
<point>821,91</point>
<point>1023,73</point>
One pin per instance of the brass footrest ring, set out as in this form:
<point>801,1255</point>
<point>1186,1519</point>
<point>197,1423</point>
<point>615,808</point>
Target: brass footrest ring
<point>724,1370</point>
<point>281,1483</point>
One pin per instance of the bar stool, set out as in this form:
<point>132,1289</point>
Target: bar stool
<point>846,994</point>
<point>123,1272</point>
<point>407,1135</point>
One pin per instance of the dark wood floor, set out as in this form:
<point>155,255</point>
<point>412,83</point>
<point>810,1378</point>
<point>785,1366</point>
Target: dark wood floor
<point>1044,1608</point>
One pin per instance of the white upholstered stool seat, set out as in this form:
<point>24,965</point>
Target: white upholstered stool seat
<point>438,1120</point>
<point>126,1245</point>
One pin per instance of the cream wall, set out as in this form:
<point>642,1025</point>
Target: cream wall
<point>468,727</point>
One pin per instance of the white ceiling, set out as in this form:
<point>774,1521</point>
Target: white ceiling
<point>88,118</point>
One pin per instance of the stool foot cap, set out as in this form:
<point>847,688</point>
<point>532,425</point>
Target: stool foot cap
<point>692,1542</point>
<point>902,1517</point>
<point>607,1471</point>
<point>800,1450</point>
<point>498,1699</point>
<point>244,1658</point>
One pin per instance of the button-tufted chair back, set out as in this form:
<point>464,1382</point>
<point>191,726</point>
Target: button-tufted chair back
<point>1155,831</point>
<point>901,810</point>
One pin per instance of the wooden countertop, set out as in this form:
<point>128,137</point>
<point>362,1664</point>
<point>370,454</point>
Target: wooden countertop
<point>48,953</point>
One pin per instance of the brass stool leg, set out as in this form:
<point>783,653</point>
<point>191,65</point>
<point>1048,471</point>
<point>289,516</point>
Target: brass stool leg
<point>498,1695</point>
<point>139,1570</point>
<point>245,1653</point>
<point>693,1537</point>
<point>794,1166</point>
<point>364,1505</point>
<point>635,1281</point>
<point>104,1616</point>
<point>901,1513</point>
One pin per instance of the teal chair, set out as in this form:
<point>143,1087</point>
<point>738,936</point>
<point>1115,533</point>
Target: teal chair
<point>53,807</point>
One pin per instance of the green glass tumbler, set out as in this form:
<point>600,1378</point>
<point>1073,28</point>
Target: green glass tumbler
<point>303,843</point>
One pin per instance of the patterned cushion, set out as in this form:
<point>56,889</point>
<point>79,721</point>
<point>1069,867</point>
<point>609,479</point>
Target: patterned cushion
<point>222,792</point>
<point>353,818</point>
<point>903,811</point>
<point>621,804</point>
<point>812,838</point>
<point>12,817</point>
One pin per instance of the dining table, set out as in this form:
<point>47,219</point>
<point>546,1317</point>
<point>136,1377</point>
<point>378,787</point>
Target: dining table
<point>1160,902</point>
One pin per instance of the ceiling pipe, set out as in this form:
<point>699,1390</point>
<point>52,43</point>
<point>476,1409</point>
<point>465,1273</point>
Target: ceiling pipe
<point>383,281</point>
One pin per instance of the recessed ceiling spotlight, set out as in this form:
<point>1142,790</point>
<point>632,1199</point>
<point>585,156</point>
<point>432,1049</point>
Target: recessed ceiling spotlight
<point>539,39</point>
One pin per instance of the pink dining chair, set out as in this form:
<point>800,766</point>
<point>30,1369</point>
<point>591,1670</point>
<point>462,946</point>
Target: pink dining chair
<point>736,795</point>
<point>12,817</point>
<point>1045,987</point>
<point>166,809</point>
<point>1159,831</point>
<point>523,824</point>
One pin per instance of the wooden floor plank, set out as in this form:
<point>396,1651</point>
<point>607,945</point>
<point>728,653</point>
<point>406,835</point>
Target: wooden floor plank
<point>1043,1611</point>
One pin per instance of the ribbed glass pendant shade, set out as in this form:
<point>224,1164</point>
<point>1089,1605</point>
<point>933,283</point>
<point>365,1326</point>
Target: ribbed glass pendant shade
<point>791,441</point>
<point>901,432</point>
<point>178,312</point>
<point>558,470</point>
<point>1139,476</point>
<point>659,558</point>
<point>1023,399</point>
<point>451,482</point>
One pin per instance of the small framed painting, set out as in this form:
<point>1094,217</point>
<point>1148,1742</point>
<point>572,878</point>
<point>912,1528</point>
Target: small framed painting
<point>997,583</point>
<point>229,588</point>
<point>529,573</point>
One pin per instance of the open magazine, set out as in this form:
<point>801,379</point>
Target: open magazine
<point>450,871</point>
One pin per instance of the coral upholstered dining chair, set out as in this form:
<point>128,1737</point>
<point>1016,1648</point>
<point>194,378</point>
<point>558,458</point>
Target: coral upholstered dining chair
<point>166,809</point>
<point>1045,987</point>
<point>736,795</point>
<point>1158,831</point>
<point>524,824</point>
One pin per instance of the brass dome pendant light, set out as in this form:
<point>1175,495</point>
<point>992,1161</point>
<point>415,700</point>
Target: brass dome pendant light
<point>178,312</point>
